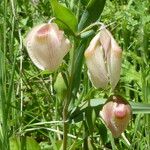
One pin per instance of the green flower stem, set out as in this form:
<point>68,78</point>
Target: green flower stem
<point>67,101</point>
<point>74,80</point>
<point>65,116</point>
<point>90,26</point>
<point>65,125</point>
<point>100,24</point>
<point>65,113</point>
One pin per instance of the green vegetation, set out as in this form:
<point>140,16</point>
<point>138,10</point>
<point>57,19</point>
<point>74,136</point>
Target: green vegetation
<point>34,104</point>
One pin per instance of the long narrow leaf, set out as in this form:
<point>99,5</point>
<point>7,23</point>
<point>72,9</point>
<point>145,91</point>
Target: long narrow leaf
<point>92,12</point>
<point>66,19</point>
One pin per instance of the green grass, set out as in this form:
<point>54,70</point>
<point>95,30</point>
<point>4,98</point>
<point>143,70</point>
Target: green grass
<point>31,101</point>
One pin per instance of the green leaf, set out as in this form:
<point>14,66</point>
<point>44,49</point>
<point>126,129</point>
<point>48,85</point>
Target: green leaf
<point>60,86</point>
<point>92,13</point>
<point>90,144</point>
<point>85,2</point>
<point>140,108</point>
<point>15,143</point>
<point>88,119</point>
<point>65,18</point>
<point>79,53</point>
<point>103,132</point>
<point>28,143</point>
<point>79,113</point>
<point>76,69</point>
<point>31,144</point>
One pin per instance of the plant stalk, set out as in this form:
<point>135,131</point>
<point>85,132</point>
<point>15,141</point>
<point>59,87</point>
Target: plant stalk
<point>65,116</point>
<point>65,125</point>
<point>67,100</point>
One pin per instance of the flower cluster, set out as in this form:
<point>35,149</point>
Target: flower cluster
<point>47,45</point>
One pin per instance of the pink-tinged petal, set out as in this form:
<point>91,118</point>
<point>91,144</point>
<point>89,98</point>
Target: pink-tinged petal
<point>113,53</point>
<point>90,50</point>
<point>116,114</point>
<point>96,64</point>
<point>46,46</point>
<point>105,40</point>
<point>34,52</point>
<point>43,31</point>
<point>114,63</point>
<point>120,110</point>
<point>108,57</point>
<point>31,34</point>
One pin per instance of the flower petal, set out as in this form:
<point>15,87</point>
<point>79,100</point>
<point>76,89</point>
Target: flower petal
<point>114,63</point>
<point>33,52</point>
<point>113,53</point>
<point>46,46</point>
<point>105,40</point>
<point>96,63</point>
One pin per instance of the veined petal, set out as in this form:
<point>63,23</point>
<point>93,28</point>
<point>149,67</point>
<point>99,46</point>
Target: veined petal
<point>90,50</point>
<point>33,52</point>
<point>46,46</point>
<point>114,63</point>
<point>96,63</point>
<point>105,40</point>
<point>113,53</point>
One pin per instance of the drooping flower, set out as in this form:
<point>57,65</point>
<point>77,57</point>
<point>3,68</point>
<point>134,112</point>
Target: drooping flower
<point>46,46</point>
<point>103,59</point>
<point>116,114</point>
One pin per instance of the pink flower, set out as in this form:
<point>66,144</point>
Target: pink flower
<point>103,59</point>
<point>46,46</point>
<point>116,114</point>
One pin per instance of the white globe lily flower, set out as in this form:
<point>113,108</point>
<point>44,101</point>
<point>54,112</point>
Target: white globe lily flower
<point>46,46</point>
<point>103,59</point>
<point>116,114</point>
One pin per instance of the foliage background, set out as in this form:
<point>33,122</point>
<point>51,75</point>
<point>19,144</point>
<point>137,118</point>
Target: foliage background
<point>31,100</point>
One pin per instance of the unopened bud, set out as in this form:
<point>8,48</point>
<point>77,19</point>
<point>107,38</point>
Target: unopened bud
<point>103,59</point>
<point>116,114</point>
<point>46,46</point>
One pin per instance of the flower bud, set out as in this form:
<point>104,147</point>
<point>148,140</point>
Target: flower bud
<point>116,114</point>
<point>46,46</point>
<point>103,59</point>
